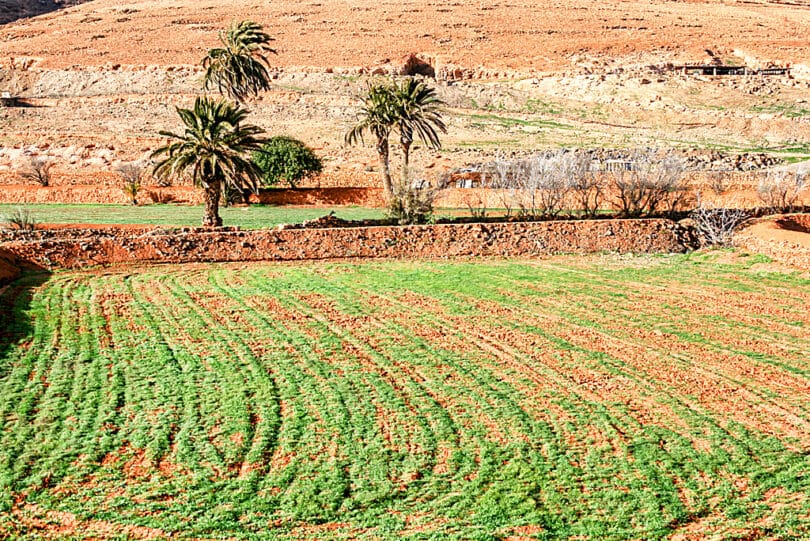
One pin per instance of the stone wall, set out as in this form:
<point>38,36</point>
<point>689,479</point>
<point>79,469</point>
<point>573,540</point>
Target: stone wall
<point>105,175</point>
<point>322,197</point>
<point>86,247</point>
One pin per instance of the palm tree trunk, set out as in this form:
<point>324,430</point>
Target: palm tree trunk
<point>406,158</point>
<point>211,217</point>
<point>383,153</point>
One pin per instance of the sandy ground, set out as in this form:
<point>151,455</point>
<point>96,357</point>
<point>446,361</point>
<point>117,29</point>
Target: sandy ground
<point>784,239</point>
<point>771,230</point>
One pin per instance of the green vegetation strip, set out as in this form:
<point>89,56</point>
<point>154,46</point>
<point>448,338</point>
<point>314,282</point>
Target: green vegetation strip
<point>251,217</point>
<point>592,398</point>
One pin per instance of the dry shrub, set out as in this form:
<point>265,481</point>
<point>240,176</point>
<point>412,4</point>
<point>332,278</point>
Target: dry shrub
<point>719,182</point>
<point>717,226</point>
<point>650,184</point>
<point>413,199</point>
<point>132,174</point>
<point>38,169</point>
<point>780,190</point>
<point>21,219</point>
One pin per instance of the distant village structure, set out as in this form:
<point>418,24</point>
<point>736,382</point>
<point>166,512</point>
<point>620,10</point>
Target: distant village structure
<point>711,69</point>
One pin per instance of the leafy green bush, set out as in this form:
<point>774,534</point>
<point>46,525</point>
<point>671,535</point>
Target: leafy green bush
<point>286,159</point>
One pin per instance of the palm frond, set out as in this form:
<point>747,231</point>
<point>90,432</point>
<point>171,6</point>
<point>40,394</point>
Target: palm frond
<point>377,116</point>
<point>418,112</point>
<point>239,68</point>
<point>214,145</point>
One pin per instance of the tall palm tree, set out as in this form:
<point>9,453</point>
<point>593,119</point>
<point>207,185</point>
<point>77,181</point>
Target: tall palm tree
<point>238,69</point>
<point>215,148</point>
<point>377,116</point>
<point>417,113</point>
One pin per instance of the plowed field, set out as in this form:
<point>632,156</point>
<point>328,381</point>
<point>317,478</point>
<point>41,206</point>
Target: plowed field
<point>598,397</point>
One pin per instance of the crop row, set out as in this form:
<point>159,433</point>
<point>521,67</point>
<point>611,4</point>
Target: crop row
<point>605,398</point>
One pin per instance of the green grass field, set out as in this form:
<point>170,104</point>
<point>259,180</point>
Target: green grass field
<point>252,217</point>
<point>597,398</point>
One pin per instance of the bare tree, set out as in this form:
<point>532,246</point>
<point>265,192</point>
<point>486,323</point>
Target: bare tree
<point>588,188</point>
<point>525,175</point>
<point>549,182</point>
<point>132,174</point>
<point>476,204</point>
<point>649,183</point>
<point>716,226</point>
<point>38,169</point>
<point>539,185</point>
<point>503,180</point>
<point>679,197</point>
<point>780,190</point>
<point>630,191</point>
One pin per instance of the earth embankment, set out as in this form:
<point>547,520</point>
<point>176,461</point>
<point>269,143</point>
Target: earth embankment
<point>9,271</point>
<point>80,248</point>
<point>783,238</point>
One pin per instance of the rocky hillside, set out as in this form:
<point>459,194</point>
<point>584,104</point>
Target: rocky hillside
<point>11,10</point>
<point>100,80</point>
<point>494,39</point>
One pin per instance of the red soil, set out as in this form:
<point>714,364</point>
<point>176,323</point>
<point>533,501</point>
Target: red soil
<point>82,248</point>
<point>785,239</point>
<point>8,267</point>
<point>497,37</point>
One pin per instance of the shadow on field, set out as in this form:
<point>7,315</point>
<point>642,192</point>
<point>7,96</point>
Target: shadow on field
<point>15,299</point>
<point>12,10</point>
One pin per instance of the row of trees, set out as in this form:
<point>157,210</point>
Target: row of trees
<point>647,183</point>
<point>215,146</point>
<point>546,185</point>
<point>407,109</point>
<point>219,149</point>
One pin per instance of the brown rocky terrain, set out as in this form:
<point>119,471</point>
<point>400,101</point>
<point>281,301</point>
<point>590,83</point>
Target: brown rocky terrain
<point>76,248</point>
<point>496,37</point>
<point>11,10</point>
<point>9,270</point>
<point>99,80</point>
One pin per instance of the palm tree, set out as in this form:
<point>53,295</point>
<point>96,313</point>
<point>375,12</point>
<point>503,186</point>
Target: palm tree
<point>411,108</point>
<point>215,148</point>
<point>238,69</point>
<point>417,113</point>
<point>377,116</point>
